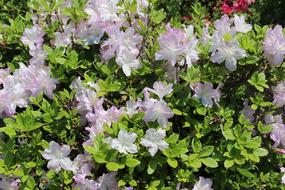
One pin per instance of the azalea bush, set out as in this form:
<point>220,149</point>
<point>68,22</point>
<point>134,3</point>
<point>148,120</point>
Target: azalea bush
<point>101,95</point>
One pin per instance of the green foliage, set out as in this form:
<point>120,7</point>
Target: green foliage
<point>218,142</point>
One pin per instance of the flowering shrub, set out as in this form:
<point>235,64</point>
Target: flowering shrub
<point>104,94</point>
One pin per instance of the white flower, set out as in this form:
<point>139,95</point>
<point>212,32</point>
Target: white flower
<point>8,183</point>
<point>132,107</point>
<point>191,52</point>
<point>160,89</point>
<point>206,93</point>
<point>205,35</point>
<point>58,157</point>
<point>240,24</point>
<point>157,110</point>
<point>279,94</point>
<point>33,36</point>
<point>203,184</point>
<point>274,45</point>
<point>87,98</point>
<point>154,140</point>
<point>229,53</point>
<point>64,38</point>
<point>102,11</point>
<point>189,31</point>
<point>127,59</point>
<point>108,181</point>
<point>247,111</point>
<point>124,143</point>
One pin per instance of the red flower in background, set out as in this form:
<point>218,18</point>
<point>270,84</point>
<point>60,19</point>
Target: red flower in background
<point>240,6</point>
<point>230,6</point>
<point>227,7</point>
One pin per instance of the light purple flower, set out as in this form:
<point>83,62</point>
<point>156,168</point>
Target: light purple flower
<point>127,59</point>
<point>3,74</point>
<point>191,54</point>
<point>206,93</point>
<point>89,34</point>
<point>128,39</point>
<point>132,107</point>
<point>100,116</point>
<point>205,35</point>
<point>157,111</point>
<point>279,94</point>
<point>247,111</point>
<point>171,45</point>
<point>203,184</point>
<point>9,183</point>
<point>177,46</point>
<point>278,129</point>
<point>83,164</point>
<point>240,24</point>
<point>38,55</point>
<point>124,143</point>
<point>160,89</point>
<point>223,25</point>
<point>58,157</point>
<point>33,37</point>
<point>87,98</point>
<point>229,53</point>
<point>102,10</point>
<point>36,79</point>
<point>274,46</point>
<point>12,95</point>
<point>154,140</point>
<point>86,184</point>
<point>64,38</point>
<point>108,181</point>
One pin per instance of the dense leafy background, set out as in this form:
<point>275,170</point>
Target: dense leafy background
<point>217,143</point>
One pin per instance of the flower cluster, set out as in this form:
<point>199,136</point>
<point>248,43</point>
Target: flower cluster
<point>225,48</point>
<point>157,110</point>
<point>91,107</point>
<point>178,46</point>
<point>81,167</point>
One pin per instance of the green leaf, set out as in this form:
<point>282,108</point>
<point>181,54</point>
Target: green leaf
<point>209,162</point>
<point>260,152</point>
<point>133,183</point>
<point>201,110</point>
<point>246,173</point>
<point>192,75</point>
<point>152,165</point>
<point>177,112</point>
<point>172,162</point>
<point>196,145</point>
<point>173,138</point>
<point>8,131</point>
<point>157,16</point>
<point>228,163</point>
<point>264,128</point>
<point>258,80</point>
<point>195,163</point>
<point>113,166</point>
<point>131,162</point>
<point>206,151</point>
<point>228,134</point>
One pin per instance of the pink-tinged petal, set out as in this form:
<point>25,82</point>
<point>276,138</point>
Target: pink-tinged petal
<point>274,46</point>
